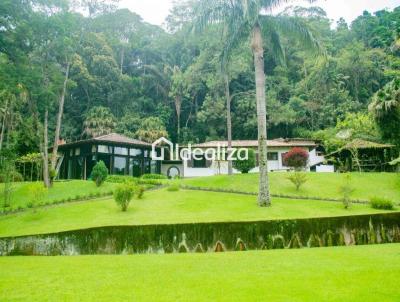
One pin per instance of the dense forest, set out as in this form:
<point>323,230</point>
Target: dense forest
<point>84,68</point>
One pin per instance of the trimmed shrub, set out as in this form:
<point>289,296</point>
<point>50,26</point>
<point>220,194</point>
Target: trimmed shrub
<point>173,188</point>
<point>154,176</point>
<point>99,173</point>
<point>346,190</point>
<point>296,158</point>
<point>119,179</point>
<point>298,179</point>
<point>140,192</point>
<point>123,195</point>
<point>381,203</point>
<point>37,193</point>
<point>244,166</point>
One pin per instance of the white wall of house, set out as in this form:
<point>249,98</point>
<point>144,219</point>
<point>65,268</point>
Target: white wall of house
<point>221,167</point>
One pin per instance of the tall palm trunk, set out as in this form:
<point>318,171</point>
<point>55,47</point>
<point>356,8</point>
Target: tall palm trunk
<point>3,126</point>
<point>178,108</point>
<point>228,120</point>
<point>46,178</point>
<point>59,119</point>
<point>258,52</point>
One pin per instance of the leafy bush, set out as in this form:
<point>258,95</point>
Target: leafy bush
<point>173,188</point>
<point>123,195</point>
<point>346,190</point>
<point>119,179</point>
<point>99,173</point>
<point>154,182</point>
<point>140,192</point>
<point>244,166</point>
<point>37,193</point>
<point>298,179</point>
<point>381,203</point>
<point>296,158</point>
<point>154,176</point>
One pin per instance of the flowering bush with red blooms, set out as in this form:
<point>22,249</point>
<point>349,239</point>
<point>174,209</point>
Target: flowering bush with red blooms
<point>296,158</point>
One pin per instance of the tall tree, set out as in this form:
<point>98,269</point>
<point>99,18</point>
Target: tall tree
<point>241,20</point>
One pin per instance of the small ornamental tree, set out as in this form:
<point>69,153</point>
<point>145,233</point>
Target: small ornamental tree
<point>123,195</point>
<point>99,173</point>
<point>298,179</point>
<point>296,158</point>
<point>245,165</point>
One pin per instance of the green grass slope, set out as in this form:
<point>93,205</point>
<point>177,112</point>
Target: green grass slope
<point>161,207</point>
<point>63,190</point>
<point>359,273</point>
<point>324,185</point>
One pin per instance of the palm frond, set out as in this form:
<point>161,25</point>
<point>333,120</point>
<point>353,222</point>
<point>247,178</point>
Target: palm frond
<point>295,28</point>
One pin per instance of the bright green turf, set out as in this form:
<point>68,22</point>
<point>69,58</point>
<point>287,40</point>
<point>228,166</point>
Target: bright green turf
<point>162,206</point>
<point>324,185</point>
<point>60,190</point>
<point>359,273</point>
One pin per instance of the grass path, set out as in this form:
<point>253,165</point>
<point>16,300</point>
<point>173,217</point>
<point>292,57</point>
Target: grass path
<point>163,207</point>
<point>359,273</point>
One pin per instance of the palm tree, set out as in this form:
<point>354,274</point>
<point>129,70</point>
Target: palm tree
<point>244,19</point>
<point>385,107</point>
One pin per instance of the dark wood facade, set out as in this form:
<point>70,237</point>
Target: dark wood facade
<point>122,156</point>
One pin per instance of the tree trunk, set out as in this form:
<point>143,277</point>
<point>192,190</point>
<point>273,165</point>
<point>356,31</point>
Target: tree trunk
<point>228,120</point>
<point>3,126</point>
<point>122,60</point>
<point>258,52</point>
<point>178,106</point>
<point>59,120</point>
<point>45,152</point>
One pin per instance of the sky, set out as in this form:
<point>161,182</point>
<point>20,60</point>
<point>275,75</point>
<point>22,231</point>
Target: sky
<point>155,11</point>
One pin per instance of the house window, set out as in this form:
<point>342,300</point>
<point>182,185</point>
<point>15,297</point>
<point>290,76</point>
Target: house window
<point>77,151</point>
<point>119,165</point>
<point>135,152</point>
<point>94,149</point>
<point>135,167</point>
<point>104,149</point>
<point>200,162</point>
<point>153,167</point>
<point>273,156</point>
<point>120,151</point>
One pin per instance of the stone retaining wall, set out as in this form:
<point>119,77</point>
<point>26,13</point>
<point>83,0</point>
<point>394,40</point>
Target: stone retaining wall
<point>211,237</point>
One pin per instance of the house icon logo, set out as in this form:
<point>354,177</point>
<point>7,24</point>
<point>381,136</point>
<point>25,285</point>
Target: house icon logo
<point>160,143</point>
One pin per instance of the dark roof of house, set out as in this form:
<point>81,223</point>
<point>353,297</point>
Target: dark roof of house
<point>112,138</point>
<point>294,142</point>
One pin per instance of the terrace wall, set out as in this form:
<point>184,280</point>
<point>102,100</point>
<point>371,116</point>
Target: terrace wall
<point>211,237</point>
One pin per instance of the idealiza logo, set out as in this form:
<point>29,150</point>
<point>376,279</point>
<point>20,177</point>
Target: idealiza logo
<point>218,153</point>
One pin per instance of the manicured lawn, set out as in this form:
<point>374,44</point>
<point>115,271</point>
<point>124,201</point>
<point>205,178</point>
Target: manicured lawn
<point>359,273</point>
<point>21,195</point>
<point>159,207</point>
<point>325,185</point>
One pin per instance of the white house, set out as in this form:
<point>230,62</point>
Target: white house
<point>276,149</point>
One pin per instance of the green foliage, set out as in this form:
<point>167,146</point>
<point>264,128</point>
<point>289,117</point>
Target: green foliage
<point>120,179</point>
<point>37,194</point>
<point>140,192</point>
<point>123,195</point>
<point>385,107</point>
<point>298,179</point>
<point>99,121</point>
<point>154,176</point>
<point>244,166</point>
<point>346,190</point>
<point>381,203</point>
<point>99,173</point>
<point>151,129</point>
<point>173,188</point>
